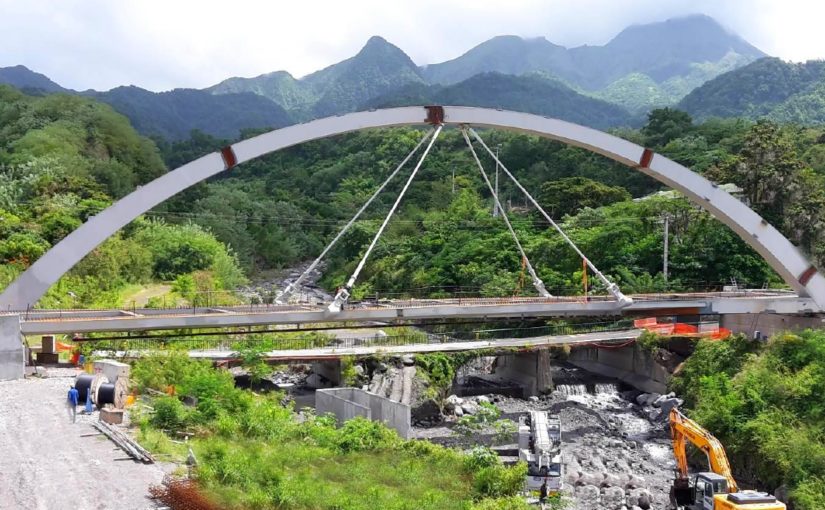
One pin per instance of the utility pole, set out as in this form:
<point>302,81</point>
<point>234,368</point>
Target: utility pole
<point>495,202</point>
<point>666,241</point>
<point>453,180</point>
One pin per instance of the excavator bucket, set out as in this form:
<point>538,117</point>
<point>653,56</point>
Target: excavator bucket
<point>681,493</point>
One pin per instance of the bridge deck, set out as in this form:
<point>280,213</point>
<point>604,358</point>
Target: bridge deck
<point>144,319</point>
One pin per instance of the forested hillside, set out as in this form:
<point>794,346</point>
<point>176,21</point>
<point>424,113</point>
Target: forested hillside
<point>532,93</point>
<point>782,91</point>
<point>173,115</point>
<point>764,402</point>
<point>63,159</point>
<point>282,208</point>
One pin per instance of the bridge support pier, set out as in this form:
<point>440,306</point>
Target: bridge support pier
<point>529,369</point>
<point>12,353</point>
<point>325,374</point>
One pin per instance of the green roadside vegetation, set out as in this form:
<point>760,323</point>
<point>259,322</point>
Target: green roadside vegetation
<point>254,452</point>
<point>765,403</point>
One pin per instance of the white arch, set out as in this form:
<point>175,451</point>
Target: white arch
<point>778,251</point>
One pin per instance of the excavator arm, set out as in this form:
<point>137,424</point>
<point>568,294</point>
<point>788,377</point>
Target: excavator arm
<point>683,429</point>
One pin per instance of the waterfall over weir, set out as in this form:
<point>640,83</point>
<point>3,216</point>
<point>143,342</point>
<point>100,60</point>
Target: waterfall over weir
<point>569,390</point>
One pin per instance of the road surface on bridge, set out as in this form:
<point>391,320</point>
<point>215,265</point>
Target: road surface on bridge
<point>38,322</point>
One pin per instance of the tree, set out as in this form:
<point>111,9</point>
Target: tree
<point>568,195</point>
<point>664,125</point>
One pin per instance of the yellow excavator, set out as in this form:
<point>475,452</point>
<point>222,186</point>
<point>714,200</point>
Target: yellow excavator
<point>714,490</point>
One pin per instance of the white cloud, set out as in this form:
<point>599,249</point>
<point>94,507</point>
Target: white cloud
<point>161,44</point>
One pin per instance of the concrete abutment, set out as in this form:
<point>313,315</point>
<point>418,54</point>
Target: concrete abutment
<point>12,353</point>
<point>531,370</point>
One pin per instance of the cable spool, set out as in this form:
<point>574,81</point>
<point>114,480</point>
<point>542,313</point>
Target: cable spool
<point>83,384</point>
<point>114,394</point>
<point>105,395</point>
<point>99,381</point>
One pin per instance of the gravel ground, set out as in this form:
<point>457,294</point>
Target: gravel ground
<point>45,463</point>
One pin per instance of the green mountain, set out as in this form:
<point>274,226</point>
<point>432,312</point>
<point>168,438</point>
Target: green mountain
<point>174,114</point>
<point>531,93</point>
<point>279,87</point>
<point>377,69</point>
<point>23,78</point>
<point>769,88</point>
<point>644,66</point>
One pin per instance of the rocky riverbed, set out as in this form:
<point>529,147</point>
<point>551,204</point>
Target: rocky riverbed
<point>617,453</point>
<point>266,286</point>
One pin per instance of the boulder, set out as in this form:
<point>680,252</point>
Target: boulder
<point>613,497</point>
<point>458,412</point>
<point>482,399</point>
<point>470,407</point>
<point>452,402</point>
<point>651,397</point>
<point>611,480</point>
<point>654,414</point>
<point>643,500</point>
<point>426,410</point>
<point>634,482</point>
<point>641,399</point>
<point>408,360</point>
<point>668,404</point>
<point>658,401</point>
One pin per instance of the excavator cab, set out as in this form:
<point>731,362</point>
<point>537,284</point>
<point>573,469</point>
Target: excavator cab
<point>709,491</point>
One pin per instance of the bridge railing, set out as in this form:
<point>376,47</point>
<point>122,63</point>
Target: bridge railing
<point>314,340</point>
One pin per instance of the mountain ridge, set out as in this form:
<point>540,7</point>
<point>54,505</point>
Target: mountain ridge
<point>644,66</point>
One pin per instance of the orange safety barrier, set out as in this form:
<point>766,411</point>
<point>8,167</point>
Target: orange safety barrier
<point>679,329</point>
<point>64,347</point>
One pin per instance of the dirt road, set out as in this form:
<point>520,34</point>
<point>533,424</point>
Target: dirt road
<point>45,463</point>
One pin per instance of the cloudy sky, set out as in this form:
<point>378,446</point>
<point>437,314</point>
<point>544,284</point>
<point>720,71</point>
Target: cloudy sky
<point>163,44</point>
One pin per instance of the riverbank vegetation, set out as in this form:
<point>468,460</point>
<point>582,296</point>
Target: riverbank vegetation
<point>256,452</point>
<point>764,402</point>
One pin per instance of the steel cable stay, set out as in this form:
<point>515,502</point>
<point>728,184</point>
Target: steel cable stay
<point>343,294</point>
<point>611,287</point>
<point>537,283</point>
<point>292,287</point>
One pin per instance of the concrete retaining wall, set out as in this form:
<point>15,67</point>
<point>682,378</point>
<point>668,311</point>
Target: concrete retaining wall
<point>632,365</point>
<point>768,324</point>
<point>531,370</point>
<point>12,354</point>
<point>347,403</point>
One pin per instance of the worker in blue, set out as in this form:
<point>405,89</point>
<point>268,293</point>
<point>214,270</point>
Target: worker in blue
<point>71,402</point>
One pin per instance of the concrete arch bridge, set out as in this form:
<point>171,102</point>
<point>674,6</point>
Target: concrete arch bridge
<point>806,282</point>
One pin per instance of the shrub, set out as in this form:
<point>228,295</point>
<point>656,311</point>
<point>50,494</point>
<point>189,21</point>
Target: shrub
<point>361,434</point>
<point>170,414</point>
<point>500,481</point>
<point>480,457</point>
